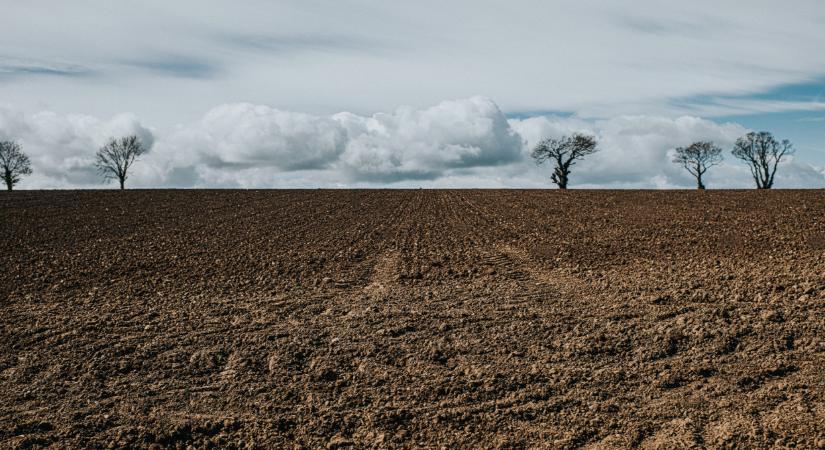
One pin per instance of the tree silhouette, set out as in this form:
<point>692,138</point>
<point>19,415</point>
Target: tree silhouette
<point>114,159</point>
<point>13,163</point>
<point>698,158</point>
<point>564,152</point>
<point>762,153</point>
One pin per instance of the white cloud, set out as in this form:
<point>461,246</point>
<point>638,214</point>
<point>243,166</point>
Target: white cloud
<point>413,144</point>
<point>256,135</point>
<point>62,147</point>
<point>459,143</point>
<point>637,152</point>
<point>256,142</point>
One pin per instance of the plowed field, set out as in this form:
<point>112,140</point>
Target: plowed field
<point>384,319</point>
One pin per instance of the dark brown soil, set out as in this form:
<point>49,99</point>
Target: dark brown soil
<point>327,319</point>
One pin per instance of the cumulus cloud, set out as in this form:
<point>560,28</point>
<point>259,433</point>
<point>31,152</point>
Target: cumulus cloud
<point>257,141</point>
<point>62,147</point>
<point>637,152</point>
<point>245,135</point>
<point>458,143</point>
<point>424,144</point>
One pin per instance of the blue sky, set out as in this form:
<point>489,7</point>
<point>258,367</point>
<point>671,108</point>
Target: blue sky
<point>300,93</point>
<point>806,129</point>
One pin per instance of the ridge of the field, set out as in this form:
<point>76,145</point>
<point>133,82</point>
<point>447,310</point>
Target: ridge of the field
<point>412,318</point>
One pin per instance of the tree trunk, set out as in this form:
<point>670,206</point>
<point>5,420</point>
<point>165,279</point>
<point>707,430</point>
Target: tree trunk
<point>122,181</point>
<point>7,179</point>
<point>700,185</point>
<point>561,181</point>
<point>758,182</point>
<point>560,177</point>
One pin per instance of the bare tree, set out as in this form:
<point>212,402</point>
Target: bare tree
<point>114,159</point>
<point>763,154</point>
<point>564,152</point>
<point>13,163</point>
<point>697,158</point>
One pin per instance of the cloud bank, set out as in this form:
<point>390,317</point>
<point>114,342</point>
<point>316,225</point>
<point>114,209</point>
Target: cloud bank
<point>457,143</point>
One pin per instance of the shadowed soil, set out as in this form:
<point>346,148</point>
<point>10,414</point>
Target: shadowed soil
<point>384,319</point>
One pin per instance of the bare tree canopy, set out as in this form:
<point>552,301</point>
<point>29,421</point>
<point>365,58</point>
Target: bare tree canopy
<point>762,153</point>
<point>564,152</point>
<point>697,158</point>
<point>13,163</point>
<point>114,159</point>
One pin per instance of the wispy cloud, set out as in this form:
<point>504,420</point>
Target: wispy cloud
<point>178,66</point>
<point>368,55</point>
<point>811,119</point>
<point>692,25</point>
<point>11,67</point>
<point>720,107</point>
<point>305,42</point>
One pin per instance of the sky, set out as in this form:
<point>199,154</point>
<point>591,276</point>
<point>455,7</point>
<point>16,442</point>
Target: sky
<point>370,93</point>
